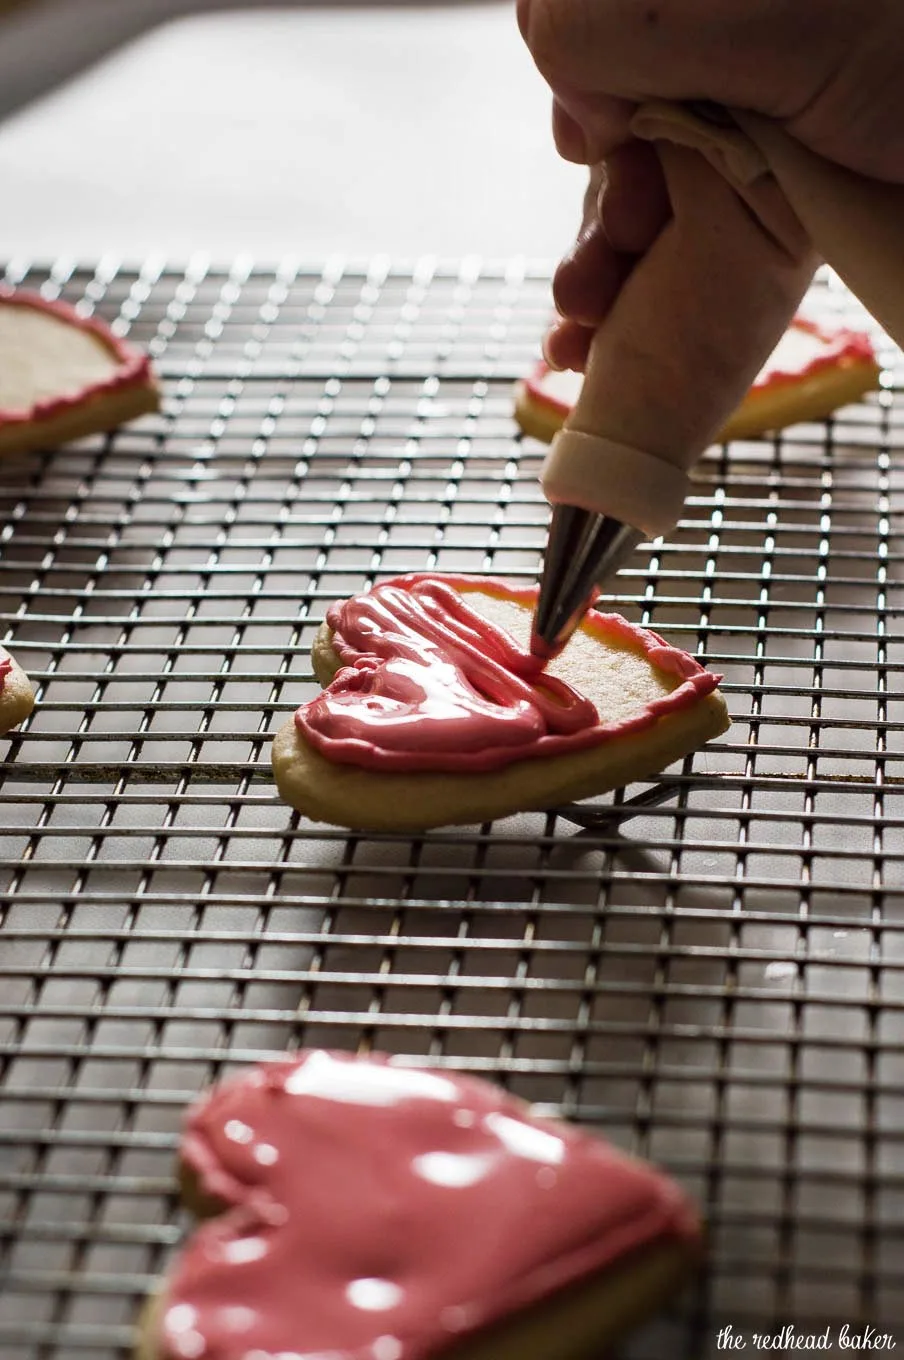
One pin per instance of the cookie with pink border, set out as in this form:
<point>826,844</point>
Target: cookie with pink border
<point>816,369</point>
<point>64,376</point>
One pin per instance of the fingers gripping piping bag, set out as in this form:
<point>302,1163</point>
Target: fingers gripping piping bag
<point>752,212</point>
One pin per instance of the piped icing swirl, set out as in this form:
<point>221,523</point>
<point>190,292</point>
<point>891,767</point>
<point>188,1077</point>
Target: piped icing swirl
<point>428,684</point>
<point>378,1212</point>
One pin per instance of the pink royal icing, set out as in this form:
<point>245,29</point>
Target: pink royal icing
<point>133,368</point>
<point>428,684</point>
<point>382,1212</point>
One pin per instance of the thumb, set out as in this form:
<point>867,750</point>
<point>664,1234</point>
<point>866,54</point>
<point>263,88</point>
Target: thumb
<point>770,56</point>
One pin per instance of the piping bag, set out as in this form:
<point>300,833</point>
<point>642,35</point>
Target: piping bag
<point>753,211</point>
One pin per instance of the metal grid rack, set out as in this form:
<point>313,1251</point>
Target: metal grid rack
<point>710,970</point>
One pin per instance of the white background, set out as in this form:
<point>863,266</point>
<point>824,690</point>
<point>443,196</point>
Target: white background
<point>303,130</point>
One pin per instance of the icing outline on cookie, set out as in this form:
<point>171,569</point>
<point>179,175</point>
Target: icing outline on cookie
<point>428,684</point>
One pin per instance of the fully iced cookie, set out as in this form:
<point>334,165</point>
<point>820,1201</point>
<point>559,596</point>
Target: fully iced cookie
<point>363,1210</point>
<point>63,376</point>
<point>436,714</point>
<point>814,370</point>
<point>16,696</point>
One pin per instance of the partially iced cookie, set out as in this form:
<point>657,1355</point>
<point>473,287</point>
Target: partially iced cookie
<point>63,376</point>
<point>16,695</point>
<point>435,713</point>
<point>814,370</point>
<point>363,1210</point>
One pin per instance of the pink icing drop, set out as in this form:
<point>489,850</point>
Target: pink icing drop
<point>368,1200</point>
<point>133,368</point>
<point>428,684</point>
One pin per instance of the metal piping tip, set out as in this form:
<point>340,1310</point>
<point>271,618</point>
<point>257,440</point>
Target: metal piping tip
<point>584,550</point>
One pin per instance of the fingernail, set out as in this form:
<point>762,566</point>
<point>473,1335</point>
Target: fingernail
<point>579,143</point>
<point>545,349</point>
<point>569,136</point>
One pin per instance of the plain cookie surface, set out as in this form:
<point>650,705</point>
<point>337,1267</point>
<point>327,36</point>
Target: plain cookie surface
<point>64,376</point>
<point>617,678</point>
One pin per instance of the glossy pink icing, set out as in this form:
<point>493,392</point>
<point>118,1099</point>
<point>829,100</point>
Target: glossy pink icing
<point>427,684</point>
<point>841,348</point>
<point>380,1212</point>
<point>6,666</point>
<point>133,368</point>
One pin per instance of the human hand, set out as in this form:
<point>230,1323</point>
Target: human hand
<point>625,208</point>
<point>828,69</point>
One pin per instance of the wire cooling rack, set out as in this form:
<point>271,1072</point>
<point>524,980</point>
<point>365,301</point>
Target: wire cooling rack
<point>710,969</point>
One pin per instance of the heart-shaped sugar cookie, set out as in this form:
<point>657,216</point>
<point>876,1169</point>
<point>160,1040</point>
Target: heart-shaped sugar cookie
<point>435,713</point>
<point>63,376</point>
<point>363,1210</point>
